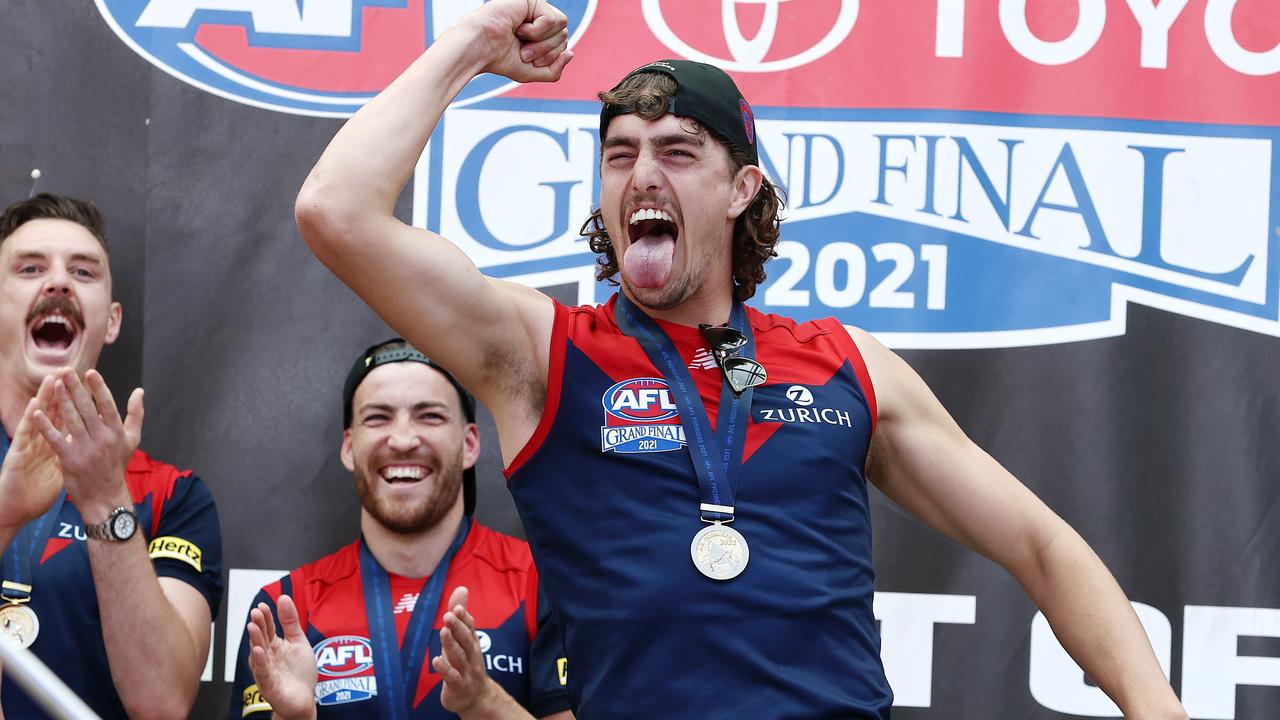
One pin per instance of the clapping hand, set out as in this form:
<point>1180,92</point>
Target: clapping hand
<point>461,661</point>
<point>283,667</point>
<point>92,443</point>
<point>30,479</point>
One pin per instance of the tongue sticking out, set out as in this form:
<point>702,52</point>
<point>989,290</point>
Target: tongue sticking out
<point>647,263</point>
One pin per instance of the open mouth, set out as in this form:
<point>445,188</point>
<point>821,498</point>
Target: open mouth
<point>403,474</point>
<point>651,223</point>
<point>54,332</point>
<point>653,233</point>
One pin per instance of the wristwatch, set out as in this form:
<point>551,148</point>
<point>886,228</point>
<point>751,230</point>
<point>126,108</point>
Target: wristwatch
<point>119,526</point>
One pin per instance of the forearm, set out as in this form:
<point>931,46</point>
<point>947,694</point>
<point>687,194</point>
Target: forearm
<point>1095,623</point>
<point>372,157</point>
<point>155,662</point>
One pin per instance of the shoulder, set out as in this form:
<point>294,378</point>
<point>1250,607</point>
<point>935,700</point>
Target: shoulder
<point>587,318</point>
<point>499,552</point>
<point>772,325</point>
<point>148,476</point>
<point>337,567</point>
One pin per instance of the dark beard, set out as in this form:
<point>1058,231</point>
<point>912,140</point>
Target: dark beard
<point>419,517</point>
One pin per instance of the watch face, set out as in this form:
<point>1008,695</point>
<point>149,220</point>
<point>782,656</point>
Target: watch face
<point>123,525</point>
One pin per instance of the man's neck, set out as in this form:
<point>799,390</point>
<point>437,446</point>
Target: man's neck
<point>415,555</point>
<point>708,308</point>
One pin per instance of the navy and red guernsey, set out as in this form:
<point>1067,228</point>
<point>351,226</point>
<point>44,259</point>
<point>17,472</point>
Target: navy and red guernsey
<point>609,499</point>
<point>177,518</point>
<point>520,636</point>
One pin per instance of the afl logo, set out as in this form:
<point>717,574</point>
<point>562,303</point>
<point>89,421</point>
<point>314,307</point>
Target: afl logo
<point>344,656</point>
<point>306,57</point>
<point>782,41</point>
<point>640,400</point>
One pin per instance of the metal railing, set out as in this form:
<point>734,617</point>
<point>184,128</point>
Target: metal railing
<point>40,683</point>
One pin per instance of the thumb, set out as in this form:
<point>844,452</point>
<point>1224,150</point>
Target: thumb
<point>133,418</point>
<point>557,67</point>
<point>289,621</point>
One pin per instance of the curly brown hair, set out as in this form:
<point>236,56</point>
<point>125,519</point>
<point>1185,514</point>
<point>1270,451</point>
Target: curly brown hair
<point>755,232</point>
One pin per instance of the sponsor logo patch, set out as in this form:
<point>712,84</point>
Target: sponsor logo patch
<point>800,395</point>
<point>562,671</point>
<point>703,360</point>
<point>175,548</point>
<point>405,604</point>
<point>640,417</point>
<point>802,411</point>
<point>346,690</point>
<point>252,702</point>
<point>344,656</point>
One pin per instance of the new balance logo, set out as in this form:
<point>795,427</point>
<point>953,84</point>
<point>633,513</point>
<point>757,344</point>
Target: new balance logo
<point>405,604</point>
<point>703,360</point>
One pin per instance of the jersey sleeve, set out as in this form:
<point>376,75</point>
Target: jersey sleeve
<point>548,666</point>
<point>246,701</point>
<point>187,544</point>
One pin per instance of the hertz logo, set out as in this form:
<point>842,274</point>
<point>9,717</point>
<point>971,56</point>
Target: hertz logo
<point>176,548</point>
<point>253,702</point>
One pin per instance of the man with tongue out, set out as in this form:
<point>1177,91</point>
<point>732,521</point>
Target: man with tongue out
<point>112,560</point>
<point>692,474</point>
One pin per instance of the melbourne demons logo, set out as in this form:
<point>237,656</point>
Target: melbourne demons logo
<point>307,57</point>
<point>640,416</point>
<point>781,41</point>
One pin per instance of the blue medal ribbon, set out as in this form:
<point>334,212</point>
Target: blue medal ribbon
<point>397,673</point>
<point>717,460</point>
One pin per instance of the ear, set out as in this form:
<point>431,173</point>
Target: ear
<point>346,453</point>
<point>470,446</point>
<point>114,316</point>
<point>746,185</point>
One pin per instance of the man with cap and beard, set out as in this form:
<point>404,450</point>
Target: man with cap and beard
<point>648,447</point>
<point>358,626</point>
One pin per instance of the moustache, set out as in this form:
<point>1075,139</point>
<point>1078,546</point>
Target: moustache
<point>56,304</point>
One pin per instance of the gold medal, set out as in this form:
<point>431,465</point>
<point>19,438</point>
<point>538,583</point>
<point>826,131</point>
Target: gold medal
<point>20,623</point>
<point>719,552</point>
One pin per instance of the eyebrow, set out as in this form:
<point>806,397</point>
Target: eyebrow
<point>76,257</point>
<point>385,407</point>
<point>660,141</point>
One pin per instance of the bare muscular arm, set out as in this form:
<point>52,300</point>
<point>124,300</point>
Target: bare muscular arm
<point>493,335</point>
<point>923,461</point>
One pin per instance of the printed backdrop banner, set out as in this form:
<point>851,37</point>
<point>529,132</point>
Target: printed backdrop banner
<point>1062,212</point>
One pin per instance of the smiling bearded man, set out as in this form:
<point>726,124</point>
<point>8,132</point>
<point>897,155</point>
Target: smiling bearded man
<point>357,625</point>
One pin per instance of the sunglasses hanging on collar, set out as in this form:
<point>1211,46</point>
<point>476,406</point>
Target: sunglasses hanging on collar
<point>740,372</point>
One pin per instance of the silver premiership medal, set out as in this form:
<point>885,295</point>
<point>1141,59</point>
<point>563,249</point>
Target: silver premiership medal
<point>20,623</point>
<point>720,552</point>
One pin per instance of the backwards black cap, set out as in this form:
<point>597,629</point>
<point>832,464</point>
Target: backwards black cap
<point>400,351</point>
<point>704,93</point>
